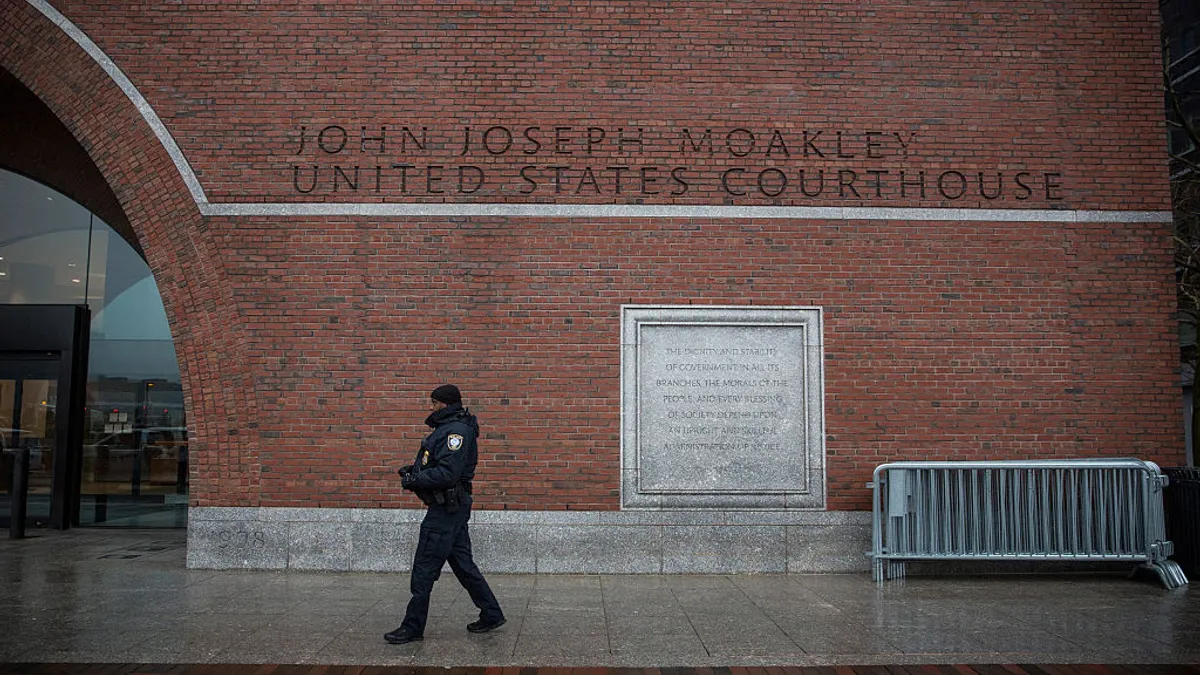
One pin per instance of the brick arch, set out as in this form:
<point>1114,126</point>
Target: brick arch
<point>164,213</point>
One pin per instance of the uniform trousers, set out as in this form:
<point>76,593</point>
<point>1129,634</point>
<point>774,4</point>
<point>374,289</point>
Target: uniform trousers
<point>444,538</point>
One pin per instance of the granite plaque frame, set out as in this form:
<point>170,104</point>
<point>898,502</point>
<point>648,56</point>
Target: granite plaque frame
<point>722,408</point>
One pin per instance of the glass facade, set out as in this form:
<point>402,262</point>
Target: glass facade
<point>133,469</point>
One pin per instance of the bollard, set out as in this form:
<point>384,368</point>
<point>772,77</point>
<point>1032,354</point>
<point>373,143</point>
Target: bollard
<point>135,480</point>
<point>19,495</point>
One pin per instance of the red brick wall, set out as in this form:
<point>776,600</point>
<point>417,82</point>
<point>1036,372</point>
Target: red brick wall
<point>309,344</point>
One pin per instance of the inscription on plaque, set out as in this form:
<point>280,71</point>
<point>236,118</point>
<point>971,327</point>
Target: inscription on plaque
<point>720,415</point>
<point>722,408</point>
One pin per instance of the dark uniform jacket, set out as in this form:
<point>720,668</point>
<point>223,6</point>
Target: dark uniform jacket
<point>448,455</point>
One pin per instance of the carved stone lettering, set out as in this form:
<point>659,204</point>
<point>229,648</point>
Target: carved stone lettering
<point>735,164</point>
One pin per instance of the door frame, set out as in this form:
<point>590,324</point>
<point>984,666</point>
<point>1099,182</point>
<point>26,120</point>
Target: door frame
<point>63,329</point>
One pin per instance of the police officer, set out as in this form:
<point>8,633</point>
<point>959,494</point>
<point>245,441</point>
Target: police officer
<point>441,477</point>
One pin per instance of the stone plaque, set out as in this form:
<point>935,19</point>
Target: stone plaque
<point>722,407</point>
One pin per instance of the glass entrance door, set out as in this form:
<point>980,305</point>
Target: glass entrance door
<point>28,420</point>
<point>134,464</point>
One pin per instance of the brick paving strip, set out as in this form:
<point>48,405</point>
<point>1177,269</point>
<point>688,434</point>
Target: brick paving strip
<point>268,669</point>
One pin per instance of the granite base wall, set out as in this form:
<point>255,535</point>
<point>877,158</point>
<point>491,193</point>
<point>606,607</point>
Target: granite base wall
<point>543,542</point>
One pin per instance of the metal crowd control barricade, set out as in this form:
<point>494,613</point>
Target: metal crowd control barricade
<point>1061,510</point>
<point>1183,516</point>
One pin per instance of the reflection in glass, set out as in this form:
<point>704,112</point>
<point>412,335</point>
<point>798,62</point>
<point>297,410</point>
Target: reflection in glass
<point>135,436</point>
<point>38,399</point>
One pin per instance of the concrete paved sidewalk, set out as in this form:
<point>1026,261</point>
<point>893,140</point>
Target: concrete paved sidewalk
<point>125,597</point>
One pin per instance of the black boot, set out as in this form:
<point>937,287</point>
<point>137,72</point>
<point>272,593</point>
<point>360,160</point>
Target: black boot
<point>482,626</point>
<point>402,636</point>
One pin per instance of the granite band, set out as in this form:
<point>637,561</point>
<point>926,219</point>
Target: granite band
<point>549,542</point>
<point>684,212</point>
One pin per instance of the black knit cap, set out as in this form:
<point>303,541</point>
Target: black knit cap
<point>447,393</point>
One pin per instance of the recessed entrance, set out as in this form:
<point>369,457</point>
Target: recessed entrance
<point>78,303</point>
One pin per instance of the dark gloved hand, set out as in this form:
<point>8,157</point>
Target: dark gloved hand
<point>407,479</point>
<point>407,468</point>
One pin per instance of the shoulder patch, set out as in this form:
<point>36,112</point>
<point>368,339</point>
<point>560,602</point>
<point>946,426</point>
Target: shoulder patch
<point>454,442</point>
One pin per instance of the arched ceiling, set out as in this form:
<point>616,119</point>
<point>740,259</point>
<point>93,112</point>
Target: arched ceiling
<point>36,144</point>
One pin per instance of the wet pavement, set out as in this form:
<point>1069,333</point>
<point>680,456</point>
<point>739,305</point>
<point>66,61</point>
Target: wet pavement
<point>96,596</point>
